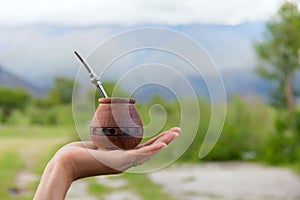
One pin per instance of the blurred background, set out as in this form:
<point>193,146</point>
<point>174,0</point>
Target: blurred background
<point>255,45</point>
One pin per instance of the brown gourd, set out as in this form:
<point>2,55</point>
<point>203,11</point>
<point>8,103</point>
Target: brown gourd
<point>116,124</point>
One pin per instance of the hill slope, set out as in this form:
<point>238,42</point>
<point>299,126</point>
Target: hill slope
<point>10,80</point>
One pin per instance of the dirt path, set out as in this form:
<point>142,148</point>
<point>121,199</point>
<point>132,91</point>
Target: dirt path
<point>229,181</point>
<point>210,181</point>
<point>79,190</point>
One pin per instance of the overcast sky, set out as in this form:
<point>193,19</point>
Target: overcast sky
<point>131,12</point>
<point>58,43</point>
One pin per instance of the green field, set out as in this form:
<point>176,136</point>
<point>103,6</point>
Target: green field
<point>26,150</point>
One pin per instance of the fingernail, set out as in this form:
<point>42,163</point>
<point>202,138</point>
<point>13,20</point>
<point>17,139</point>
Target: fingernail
<point>163,146</point>
<point>176,135</point>
<point>178,128</point>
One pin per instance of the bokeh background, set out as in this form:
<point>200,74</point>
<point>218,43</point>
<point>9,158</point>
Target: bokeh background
<point>254,44</point>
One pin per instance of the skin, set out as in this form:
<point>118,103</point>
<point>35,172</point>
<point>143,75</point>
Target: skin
<point>83,159</point>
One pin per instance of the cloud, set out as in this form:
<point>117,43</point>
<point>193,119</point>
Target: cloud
<point>39,52</point>
<point>130,12</point>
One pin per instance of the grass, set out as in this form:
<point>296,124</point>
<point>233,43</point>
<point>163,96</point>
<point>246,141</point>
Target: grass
<point>37,131</point>
<point>138,184</point>
<point>27,148</point>
<point>10,163</point>
<point>98,190</point>
<point>143,186</point>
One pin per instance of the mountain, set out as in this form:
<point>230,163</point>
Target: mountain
<point>230,48</point>
<point>245,82</point>
<point>10,80</point>
<point>236,82</point>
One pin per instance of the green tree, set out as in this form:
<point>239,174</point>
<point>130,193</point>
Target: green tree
<point>279,55</point>
<point>11,99</point>
<point>61,93</point>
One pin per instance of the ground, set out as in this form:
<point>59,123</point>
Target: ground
<point>210,181</point>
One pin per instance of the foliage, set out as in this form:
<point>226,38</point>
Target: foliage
<point>247,127</point>
<point>61,93</point>
<point>11,99</point>
<point>156,108</point>
<point>279,54</point>
<point>191,154</point>
<point>54,115</point>
<point>56,107</point>
<point>284,145</point>
<point>252,131</point>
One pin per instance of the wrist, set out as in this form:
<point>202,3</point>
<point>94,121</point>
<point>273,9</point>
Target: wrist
<point>54,182</point>
<point>59,171</point>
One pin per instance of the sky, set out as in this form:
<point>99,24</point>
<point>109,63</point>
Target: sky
<point>130,12</point>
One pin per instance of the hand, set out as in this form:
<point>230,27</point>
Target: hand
<point>83,159</point>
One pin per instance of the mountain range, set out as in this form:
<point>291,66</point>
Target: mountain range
<point>37,53</point>
<point>241,83</point>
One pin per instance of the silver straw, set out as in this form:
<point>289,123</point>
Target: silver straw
<point>94,78</point>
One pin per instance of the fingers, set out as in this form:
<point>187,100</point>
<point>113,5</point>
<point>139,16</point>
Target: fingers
<point>152,140</point>
<point>122,160</point>
<point>175,129</point>
<point>168,137</point>
<point>147,152</point>
<point>139,156</point>
<point>154,146</point>
<point>162,137</point>
<point>150,148</point>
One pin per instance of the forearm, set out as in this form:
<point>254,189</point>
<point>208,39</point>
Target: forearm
<point>54,182</point>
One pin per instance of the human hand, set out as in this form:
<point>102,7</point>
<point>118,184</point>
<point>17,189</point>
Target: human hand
<point>83,159</point>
